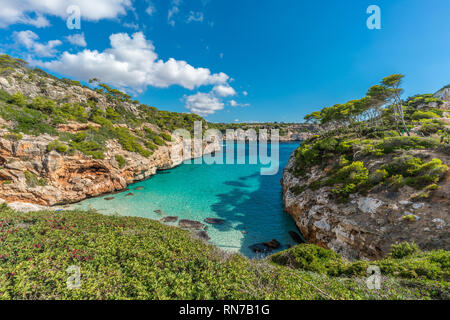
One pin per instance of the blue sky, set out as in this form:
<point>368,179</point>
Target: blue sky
<point>230,60</point>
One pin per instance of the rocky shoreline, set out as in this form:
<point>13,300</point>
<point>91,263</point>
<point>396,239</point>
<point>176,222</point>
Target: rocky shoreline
<point>70,179</point>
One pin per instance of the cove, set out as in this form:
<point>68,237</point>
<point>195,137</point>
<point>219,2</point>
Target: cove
<point>250,203</point>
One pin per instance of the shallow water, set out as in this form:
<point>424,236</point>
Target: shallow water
<point>237,193</point>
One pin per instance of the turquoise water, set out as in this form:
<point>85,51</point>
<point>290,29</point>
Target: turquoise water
<point>237,193</point>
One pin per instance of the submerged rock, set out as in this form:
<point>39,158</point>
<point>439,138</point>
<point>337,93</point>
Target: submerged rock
<point>260,248</point>
<point>129,194</point>
<point>169,219</point>
<point>274,244</point>
<point>190,224</point>
<point>139,188</point>
<point>296,237</point>
<point>109,198</point>
<point>203,235</point>
<point>158,211</point>
<point>214,221</point>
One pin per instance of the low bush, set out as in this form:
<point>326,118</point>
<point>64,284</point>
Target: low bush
<point>424,115</point>
<point>58,146</point>
<point>33,180</point>
<point>120,160</point>
<point>412,171</point>
<point>389,145</point>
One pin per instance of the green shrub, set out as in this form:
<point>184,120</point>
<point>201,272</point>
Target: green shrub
<point>311,258</point>
<point>404,249</point>
<point>378,176</point>
<point>79,137</point>
<point>414,171</point>
<point>58,146</point>
<point>150,145</point>
<point>120,160</point>
<point>424,115</point>
<point>90,148</point>
<point>112,114</point>
<point>13,136</point>
<point>129,143</point>
<point>351,178</point>
<point>157,140</point>
<point>297,190</point>
<point>18,99</point>
<point>430,128</point>
<point>32,180</point>
<point>44,105</point>
<point>389,145</point>
<point>166,136</point>
<point>405,261</point>
<point>313,152</point>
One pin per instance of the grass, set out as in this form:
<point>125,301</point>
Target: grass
<point>136,258</point>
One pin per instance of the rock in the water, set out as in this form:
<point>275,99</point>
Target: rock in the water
<point>190,224</point>
<point>244,231</point>
<point>139,188</point>
<point>296,237</point>
<point>109,198</point>
<point>274,244</point>
<point>214,221</point>
<point>129,194</point>
<point>157,211</point>
<point>260,248</point>
<point>203,235</point>
<point>169,219</point>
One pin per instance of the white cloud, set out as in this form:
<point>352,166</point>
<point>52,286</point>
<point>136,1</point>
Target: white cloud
<point>132,62</point>
<point>245,93</point>
<point>29,40</point>
<point>173,10</point>
<point>233,103</point>
<point>33,12</point>
<point>208,103</point>
<point>77,40</point>
<point>150,9</point>
<point>224,90</point>
<point>195,17</point>
<point>203,103</point>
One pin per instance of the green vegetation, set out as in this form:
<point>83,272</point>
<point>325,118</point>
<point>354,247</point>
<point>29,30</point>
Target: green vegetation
<point>405,261</point>
<point>412,171</point>
<point>120,160</point>
<point>122,119</point>
<point>33,180</point>
<point>58,146</point>
<point>136,258</point>
<point>361,132</point>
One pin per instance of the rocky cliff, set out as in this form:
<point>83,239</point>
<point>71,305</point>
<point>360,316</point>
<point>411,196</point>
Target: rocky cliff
<point>82,163</point>
<point>385,207</point>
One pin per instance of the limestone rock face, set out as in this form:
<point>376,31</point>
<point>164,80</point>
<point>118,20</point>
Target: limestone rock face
<point>367,226</point>
<point>32,174</point>
<point>29,173</point>
<point>443,94</point>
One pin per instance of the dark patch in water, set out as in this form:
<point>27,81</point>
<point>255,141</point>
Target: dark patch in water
<point>169,219</point>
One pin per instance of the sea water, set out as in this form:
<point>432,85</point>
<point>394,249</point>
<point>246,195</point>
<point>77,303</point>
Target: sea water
<point>250,203</point>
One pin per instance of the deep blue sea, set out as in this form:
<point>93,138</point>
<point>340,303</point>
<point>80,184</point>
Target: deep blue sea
<point>250,203</point>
